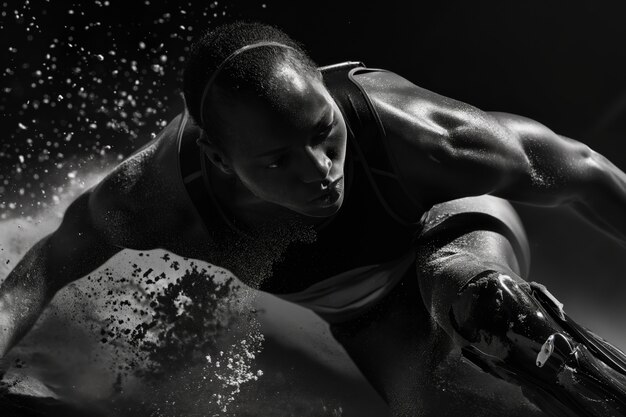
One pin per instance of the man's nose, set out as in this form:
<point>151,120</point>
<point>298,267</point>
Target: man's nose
<point>316,166</point>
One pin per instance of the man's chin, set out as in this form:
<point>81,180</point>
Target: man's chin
<point>322,210</point>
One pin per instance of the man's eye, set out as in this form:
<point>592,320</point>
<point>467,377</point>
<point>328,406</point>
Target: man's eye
<point>324,135</point>
<point>327,131</point>
<point>277,163</point>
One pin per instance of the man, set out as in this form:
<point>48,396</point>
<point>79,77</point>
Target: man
<point>316,186</point>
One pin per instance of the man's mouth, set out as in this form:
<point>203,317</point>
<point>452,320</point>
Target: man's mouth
<point>331,194</point>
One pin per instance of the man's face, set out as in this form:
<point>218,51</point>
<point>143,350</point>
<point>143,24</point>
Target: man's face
<point>290,152</point>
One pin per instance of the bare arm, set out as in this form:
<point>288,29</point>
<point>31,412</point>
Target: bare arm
<point>521,160</point>
<point>137,206</point>
<point>446,149</point>
<point>75,249</point>
<point>572,172</point>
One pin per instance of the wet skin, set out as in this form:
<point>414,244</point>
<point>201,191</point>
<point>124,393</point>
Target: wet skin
<point>279,153</point>
<point>276,157</point>
<point>442,148</point>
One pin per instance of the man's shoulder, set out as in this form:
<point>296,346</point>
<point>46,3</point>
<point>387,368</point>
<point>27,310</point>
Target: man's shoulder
<point>143,197</point>
<point>421,130</point>
<point>385,86</point>
<point>407,110</point>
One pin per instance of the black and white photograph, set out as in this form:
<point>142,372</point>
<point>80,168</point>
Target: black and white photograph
<point>312,209</point>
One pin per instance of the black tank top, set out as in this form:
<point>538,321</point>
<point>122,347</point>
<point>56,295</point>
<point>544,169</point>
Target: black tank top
<point>378,218</point>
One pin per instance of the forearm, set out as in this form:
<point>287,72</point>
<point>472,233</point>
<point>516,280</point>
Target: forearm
<point>23,296</point>
<point>74,250</point>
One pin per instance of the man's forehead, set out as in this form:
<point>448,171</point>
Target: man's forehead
<point>291,78</point>
<point>291,95</point>
<point>297,94</point>
<point>263,129</point>
<point>293,107</point>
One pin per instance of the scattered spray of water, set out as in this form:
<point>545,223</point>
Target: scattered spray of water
<point>79,96</point>
<point>83,85</point>
<point>86,82</point>
<point>145,322</point>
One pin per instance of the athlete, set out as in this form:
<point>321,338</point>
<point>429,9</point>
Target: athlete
<point>378,204</point>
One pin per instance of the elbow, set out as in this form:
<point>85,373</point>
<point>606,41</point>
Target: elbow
<point>577,177</point>
<point>594,165</point>
<point>590,172</point>
<point>597,177</point>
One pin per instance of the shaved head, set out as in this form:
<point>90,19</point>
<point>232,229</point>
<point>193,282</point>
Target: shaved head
<point>257,74</point>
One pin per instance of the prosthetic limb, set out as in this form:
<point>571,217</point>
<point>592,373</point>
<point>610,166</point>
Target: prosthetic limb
<point>471,255</point>
<point>518,331</point>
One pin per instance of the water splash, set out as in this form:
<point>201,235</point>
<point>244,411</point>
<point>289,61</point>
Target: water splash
<point>83,83</point>
<point>145,322</point>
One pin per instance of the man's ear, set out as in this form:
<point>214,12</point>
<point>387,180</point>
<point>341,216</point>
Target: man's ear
<point>214,153</point>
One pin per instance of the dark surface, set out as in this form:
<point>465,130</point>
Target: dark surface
<point>559,62</point>
<point>13,405</point>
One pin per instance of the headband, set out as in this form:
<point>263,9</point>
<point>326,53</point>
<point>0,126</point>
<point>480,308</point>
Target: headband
<point>229,58</point>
